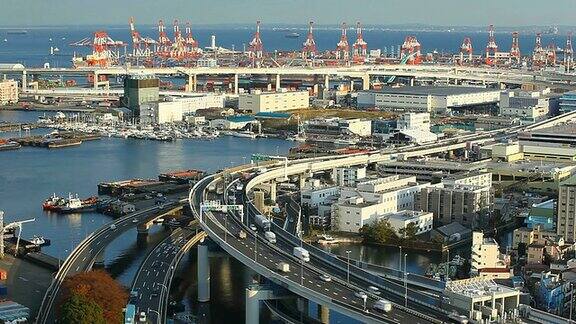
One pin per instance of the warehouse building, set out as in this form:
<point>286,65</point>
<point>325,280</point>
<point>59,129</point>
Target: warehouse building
<point>141,89</point>
<point>259,102</point>
<point>437,100</point>
<point>557,143</point>
<point>528,106</point>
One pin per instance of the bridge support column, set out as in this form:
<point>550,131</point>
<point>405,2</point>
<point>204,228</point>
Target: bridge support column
<point>351,84</point>
<point>366,82</point>
<point>235,83</point>
<point>253,296</point>
<point>96,80</point>
<point>302,305</point>
<point>273,190</point>
<point>301,181</point>
<point>412,82</point>
<point>324,314</point>
<point>277,85</point>
<point>326,82</point>
<point>24,81</point>
<point>203,274</point>
<point>192,79</point>
<point>143,229</point>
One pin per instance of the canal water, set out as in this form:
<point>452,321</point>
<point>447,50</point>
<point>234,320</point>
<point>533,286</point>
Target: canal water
<point>29,175</point>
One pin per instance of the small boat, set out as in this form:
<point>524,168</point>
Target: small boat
<point>292,35</point>
<point>244,134</point>
<point>40,241</point>
<point>8,145</point>
<point>52,202</point>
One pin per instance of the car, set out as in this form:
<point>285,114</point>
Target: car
<point>374,290</point>
<point>360,294</point>
<point>253,227</point>
<point>134,293</point>
<point>325,277</point>
<point>142,317</point>
<point>113,227</point>
<point>134,221</point>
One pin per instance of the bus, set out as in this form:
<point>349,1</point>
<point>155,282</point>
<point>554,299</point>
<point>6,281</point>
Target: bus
<point>129,314</point>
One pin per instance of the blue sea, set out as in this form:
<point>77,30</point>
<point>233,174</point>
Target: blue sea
<point>33,48</point>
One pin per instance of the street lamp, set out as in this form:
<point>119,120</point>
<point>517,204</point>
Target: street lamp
<point>255,245</point>
<point>400,259</point>
<point>348,265</point>
<point>364,298</point>
<point>301,272</point>
<point>571,299</point>
<point>405,282</point>
<point>157,313</point>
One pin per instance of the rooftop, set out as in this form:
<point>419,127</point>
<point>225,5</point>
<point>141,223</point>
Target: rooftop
<point>478,287</point>
<point>564,129</point>
<point>435,91</point>
<point>570,181</point>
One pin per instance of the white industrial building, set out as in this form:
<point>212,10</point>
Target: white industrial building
<point>557,143</point>
<point>415,128</point>
<point>201,101</point>
<point>174,109</point>
<point>257,101</point>
<point>315,196</point>
<point>437,100</point>
<point>399,220</point>
<point>528,106</point>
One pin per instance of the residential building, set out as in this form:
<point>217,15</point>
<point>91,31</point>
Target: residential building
<point>316,196</point>
<point>258,101</point>
<point>437,100</point>
<point>528,106</point>
<point>552,294</point>
<point>557,143</point>
<point>568,102</point>
<point>415,121</point>
<point>399,220</point>
<point>477,178</point>
<point>542,215</point>
<point>487,261</point>
<point>565,224</point>
<point>468,205</point>
<point>8,92</point>
<point>371,199</point>
<point>450,233</point>
<point>338,126</point>
<point>348,176</point>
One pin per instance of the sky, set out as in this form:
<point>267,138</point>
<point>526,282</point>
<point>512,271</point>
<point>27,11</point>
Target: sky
<point>384,12</point>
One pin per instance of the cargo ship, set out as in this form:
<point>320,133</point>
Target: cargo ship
<point>52,202</point>
<point>8,145</point>
<point>292,35</point>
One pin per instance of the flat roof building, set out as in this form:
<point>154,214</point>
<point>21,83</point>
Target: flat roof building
<point>557,143</point>
<point>259,102</point>
<point>437,100</point>
<point>8,92</point>
<point>566,219</point>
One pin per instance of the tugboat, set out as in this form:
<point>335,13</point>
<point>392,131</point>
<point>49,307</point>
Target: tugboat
<point>53,202</point>
<point>75,205</point>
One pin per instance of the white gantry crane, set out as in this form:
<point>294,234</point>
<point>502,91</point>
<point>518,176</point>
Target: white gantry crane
<point>4,228</point>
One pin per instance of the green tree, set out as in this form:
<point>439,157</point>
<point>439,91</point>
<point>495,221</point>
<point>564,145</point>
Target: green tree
<point>379,232</point>
<point>409,232</point>
<point>80,310</point>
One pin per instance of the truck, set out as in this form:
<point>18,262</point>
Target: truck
<point>283,267</point>
<point>271,237</point>
<point>263,222</point>
<point>383,305</point>
<point>301,254</point>
<point>241,234</point>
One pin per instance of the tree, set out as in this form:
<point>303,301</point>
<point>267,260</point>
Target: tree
<point>379,232</point>
<point>97,287</point>
<point>409,232</point>
<point>80,310</point>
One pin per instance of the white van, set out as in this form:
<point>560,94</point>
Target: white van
<point>383,305</point>
<point>271,237</point>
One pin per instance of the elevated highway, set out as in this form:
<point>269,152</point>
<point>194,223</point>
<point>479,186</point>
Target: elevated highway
<point>152,283</point>
<point>84,255</point>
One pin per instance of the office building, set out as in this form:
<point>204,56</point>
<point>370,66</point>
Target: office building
<point>565,223</point>
<point>486,259</point>
<point>528,106</point>
<point>400,220</point>
<point>258,101</point>
<point>436,100</point>
<point>141,89</point>
<point>8,92</point>
<point>568,102</point>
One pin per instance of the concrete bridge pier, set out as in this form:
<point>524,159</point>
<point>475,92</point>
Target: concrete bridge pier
<point>324,314</point>
<point>24,81</point>
<point>302,305</point>
<point>203,273</point>
<point>277,84</point>
<point>254,294</point>
<point>302,180</point>
<point>366,82</point>
<point>273,190</point>
<point>143,229</point>
<point>326,82</point>
<point>192,81</point>
<point>412,81</point>
<point>235,84</point>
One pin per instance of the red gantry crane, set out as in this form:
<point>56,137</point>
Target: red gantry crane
<point>491,47</point>
<point>515,49</point>
<point>342,47</point>
<point>360,46</point>
<point>466,51</point>
<point>309,49</point>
